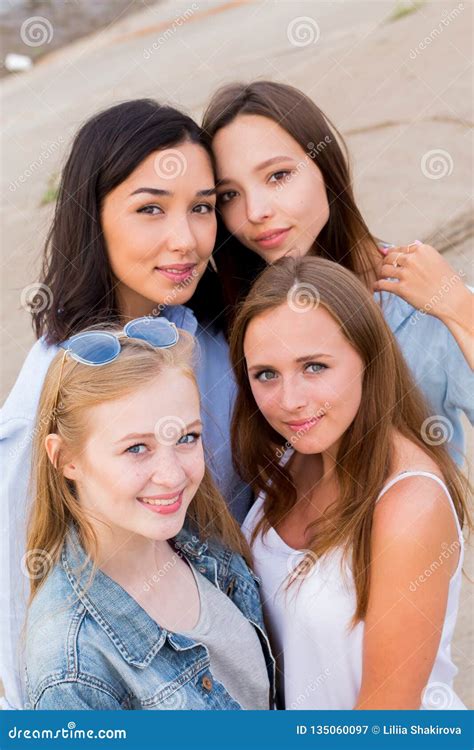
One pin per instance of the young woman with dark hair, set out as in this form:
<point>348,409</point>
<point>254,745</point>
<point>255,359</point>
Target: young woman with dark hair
<point>133,233</point>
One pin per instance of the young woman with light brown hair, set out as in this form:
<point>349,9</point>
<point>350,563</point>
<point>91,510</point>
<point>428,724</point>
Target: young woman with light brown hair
<point>357,497</point>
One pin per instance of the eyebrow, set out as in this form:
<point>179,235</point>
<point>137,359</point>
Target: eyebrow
<point>151,435</point>
<point>263,165</point>
<point>304,358</point>
<point>158,191</point>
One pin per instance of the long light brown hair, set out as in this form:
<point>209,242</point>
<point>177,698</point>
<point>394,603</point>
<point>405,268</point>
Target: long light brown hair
<point>345,238</point>
<point>390,401</point>
<point>55,500</point>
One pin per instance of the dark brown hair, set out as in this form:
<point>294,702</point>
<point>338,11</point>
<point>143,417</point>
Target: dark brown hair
<point>76,268</point>
<point>364,455</point>
<point>345,238</point>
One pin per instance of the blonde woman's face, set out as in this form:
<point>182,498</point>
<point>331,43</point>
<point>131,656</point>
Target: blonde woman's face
<point>305,376</point>
<point>143,460</point>
<point>271,194</point>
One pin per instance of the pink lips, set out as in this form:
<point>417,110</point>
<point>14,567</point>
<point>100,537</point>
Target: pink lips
<point>272,238</point>
<point>163,509</point>
<point>305,424</point>
<point>177,272</point>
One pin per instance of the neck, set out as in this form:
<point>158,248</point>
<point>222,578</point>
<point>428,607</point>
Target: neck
<point>130,559</point>
<point>133,305</point>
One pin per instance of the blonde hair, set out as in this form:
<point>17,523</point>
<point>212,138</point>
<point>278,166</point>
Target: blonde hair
<point>63,411</point>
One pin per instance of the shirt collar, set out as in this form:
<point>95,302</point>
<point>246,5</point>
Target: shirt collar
<point>132,631</point>
<point>182,316</point>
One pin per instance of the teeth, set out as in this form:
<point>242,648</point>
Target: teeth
<point>149,501</point>
<point>174,270</point>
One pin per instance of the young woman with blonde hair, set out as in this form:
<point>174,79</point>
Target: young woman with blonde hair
<point>136,565</point>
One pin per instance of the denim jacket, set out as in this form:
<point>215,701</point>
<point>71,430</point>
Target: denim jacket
<point>17,430</point>
<point>89,645</point>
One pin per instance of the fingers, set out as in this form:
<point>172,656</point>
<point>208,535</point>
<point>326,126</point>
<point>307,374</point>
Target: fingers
<point>389,271</point>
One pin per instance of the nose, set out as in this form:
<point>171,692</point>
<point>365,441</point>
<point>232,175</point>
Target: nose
<point>180,238</point>
<point>291,396</point>
<point>259,207</point>
<point>167,471</point>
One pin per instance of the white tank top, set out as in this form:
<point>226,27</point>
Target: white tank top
<point>319,658</point>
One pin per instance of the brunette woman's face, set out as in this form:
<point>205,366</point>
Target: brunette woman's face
<point>160,228</point>
<point>271,194</point>
<point>305,376</point>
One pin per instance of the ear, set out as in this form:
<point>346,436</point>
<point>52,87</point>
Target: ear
<point>53,445</point>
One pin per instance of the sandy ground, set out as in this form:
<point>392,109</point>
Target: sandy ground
<point>399,89</point>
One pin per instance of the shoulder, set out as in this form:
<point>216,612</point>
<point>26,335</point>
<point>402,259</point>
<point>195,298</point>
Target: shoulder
<point>72,664</point>
<point>22,401</point>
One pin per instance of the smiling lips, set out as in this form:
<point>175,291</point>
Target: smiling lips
<point>303,425</point>
<point>178,271</point>
<point>272,238</point>
<point>163,504</point>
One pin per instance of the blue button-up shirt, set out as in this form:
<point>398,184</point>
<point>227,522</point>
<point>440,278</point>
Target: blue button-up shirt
<point>439,368</point>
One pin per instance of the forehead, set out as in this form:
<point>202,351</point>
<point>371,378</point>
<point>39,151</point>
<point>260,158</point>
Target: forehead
<point>256,136</point>
<point>171,169</point>
<point>171,394</point>
<point>284,334</point>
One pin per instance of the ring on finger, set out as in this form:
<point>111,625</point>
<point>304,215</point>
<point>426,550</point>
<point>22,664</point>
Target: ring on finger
<point>396,264</point>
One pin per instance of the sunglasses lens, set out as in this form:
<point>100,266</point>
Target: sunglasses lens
<point>94,348</point>
<point>155,331</point>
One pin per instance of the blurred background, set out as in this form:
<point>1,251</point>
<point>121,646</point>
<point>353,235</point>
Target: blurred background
<point>395,78</point>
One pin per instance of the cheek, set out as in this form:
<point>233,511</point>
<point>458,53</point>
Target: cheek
<point>205,233</point>
<point>193,465</point>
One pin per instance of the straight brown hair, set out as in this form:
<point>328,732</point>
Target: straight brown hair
<point>345,238</point>
<point>390,401</point>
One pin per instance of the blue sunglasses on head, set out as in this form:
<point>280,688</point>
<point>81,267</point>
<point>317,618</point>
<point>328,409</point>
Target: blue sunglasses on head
<point>101,347</point>
<point>96,348</point>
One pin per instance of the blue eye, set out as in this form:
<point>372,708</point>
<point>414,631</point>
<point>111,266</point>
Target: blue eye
<point>150,210</point>
<point>262,376</point>
<point>318,367</point>
<point>136,452</point>
<point>189,439</point>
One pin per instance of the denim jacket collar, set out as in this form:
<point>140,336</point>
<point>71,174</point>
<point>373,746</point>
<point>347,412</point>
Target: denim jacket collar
<point>134,633</point>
